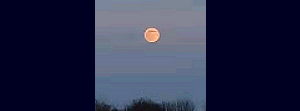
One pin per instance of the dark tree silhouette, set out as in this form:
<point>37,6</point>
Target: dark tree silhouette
<point>149,105</point>
<point>144,105</point>
<point>102,106</point>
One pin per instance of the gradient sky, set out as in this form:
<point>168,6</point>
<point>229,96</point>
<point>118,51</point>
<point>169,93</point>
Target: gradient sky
<point>127,67</point>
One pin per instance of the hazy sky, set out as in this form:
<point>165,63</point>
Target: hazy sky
<point>127,67</point>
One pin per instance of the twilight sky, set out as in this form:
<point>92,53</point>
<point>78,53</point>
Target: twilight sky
<point>127,67</point>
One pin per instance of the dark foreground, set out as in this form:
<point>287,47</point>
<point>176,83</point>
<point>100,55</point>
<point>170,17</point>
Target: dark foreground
<point>149,105</point>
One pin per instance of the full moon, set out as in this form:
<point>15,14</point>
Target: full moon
<point>151,35</point>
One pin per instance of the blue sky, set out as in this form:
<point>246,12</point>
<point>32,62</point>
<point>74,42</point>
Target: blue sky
<point>142,5</point>
<point>127,67</point>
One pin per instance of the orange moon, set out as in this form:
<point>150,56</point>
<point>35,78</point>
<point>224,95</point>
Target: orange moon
<point>152,35</point>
